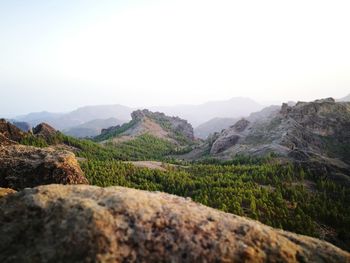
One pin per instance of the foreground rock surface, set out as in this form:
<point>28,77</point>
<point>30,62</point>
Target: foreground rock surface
<point>25,166</point>
<point>6,191</point>
<point>82,223</point>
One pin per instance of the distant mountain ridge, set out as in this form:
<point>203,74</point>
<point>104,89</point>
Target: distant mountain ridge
<point>346,98</point>
<point>75,123</point>
<point>63,121</point>
<point>198,114</point>
<point>219,124</point>
<point>92,128</point>
<point>212,126</point>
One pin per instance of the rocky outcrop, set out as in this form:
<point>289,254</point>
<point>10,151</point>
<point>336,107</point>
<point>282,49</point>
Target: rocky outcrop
<point>24,166</point>
<point>229,137</point>
<point>44,130</point>
<point>173,129</point>
<point>59,223</point>
<point>173,124</point>
<point>317,132</point>
<point>6,191</point>
<point>9,132</point>
<point>4,141</point>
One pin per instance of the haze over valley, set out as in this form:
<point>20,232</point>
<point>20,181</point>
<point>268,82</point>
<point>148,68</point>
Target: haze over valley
<point>174,131</point>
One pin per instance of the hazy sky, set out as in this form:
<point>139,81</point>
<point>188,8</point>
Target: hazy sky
<point>58,55</point>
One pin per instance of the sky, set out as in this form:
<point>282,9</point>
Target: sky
<point>59,55</point>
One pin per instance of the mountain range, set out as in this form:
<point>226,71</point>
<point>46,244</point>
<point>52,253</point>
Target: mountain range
<point>88,121</point>
<point>286,166</point>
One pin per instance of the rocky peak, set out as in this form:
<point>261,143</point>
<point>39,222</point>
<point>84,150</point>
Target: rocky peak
<point>241,125</point>
<point>172,124</point>
<point>10,132</point>
<point>154,123</point>
<point>115,224</point>
<point>44,130</point>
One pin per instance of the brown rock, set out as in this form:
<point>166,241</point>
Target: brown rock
<point>25,166</point>
<point>44,130</point>
<point>6,191</point>
<point>9,132</point>
<point>6,141</point>
<point>59,223</point>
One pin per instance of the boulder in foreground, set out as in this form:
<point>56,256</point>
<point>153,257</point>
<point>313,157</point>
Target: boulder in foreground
<point>25,166</point>
<point>81,223</point>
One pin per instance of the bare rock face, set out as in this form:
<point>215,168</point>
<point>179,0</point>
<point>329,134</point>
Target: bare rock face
<point>44,130</point>
<point>317,132</point>
<point>157,124</point>
<point>59,223</point>
<point>9,132</point>
<point>6,191</point>
<point>24,166</point>
<point>4,141</point>
<point>174,124</point>
<point>229,137</point>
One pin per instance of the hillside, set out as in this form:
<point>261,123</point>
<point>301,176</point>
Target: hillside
<point>91,128</point>
<point>212,126</point>
<point>281,195</point>
<point>217,125</point>
<point>315,133</point>
<point>156,124</point>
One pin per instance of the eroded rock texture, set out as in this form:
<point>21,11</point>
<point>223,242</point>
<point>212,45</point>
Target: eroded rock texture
<point>25,166</point>
<point>80,223</point>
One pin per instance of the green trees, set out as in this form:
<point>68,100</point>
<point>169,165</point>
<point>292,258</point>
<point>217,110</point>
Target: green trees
<point>283,196</point>
<point>271,193</point>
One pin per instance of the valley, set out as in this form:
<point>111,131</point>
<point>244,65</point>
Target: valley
<point>277,166</point>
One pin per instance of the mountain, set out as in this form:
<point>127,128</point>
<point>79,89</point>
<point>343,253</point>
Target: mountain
<point>156,124</point>
<point>10,133</point>
<point>198,114</point>
<point>195,114</point>
<point>65,121</point>
<point>214,125</point>
<point>38,117</point>
<point>92,128</point>
<point>220,124</point>
<point>346,98</point>
<point>314,133</point>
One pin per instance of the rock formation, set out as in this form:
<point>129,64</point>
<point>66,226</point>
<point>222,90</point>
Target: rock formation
<point>59,223</point>
<point>316,132</point>
<point>44,130</point>
<point>173,129</point>
<point>6,191</point>
<point>229,137</point>
<point>10,131</point>
<point>25,166</point>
